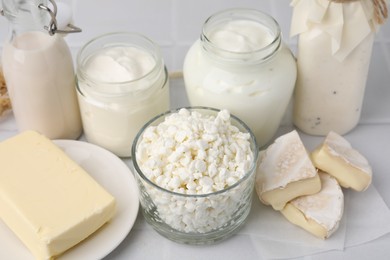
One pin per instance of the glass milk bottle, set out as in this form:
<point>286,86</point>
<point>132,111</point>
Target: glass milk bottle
<point>122,83</point>
<point>334,52</point>
<point>38,70</point>
<point>241,64</point>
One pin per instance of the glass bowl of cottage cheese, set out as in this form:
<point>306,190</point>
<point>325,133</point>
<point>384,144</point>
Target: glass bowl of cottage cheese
<point>195,168</point>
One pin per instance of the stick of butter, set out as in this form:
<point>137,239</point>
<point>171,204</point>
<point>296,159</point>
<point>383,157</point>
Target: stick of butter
<point>337,157</point>
<point>285,172</point>
<point>319,213</point>
<point>47,199</point>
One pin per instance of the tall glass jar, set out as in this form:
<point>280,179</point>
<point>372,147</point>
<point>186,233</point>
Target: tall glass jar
<point>334,51</point>
<point>122,82</point>
<point>241,64</point>
<point>38,71</point>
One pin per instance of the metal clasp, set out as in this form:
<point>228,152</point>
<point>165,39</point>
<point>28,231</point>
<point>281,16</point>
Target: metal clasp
<point>52,28</point>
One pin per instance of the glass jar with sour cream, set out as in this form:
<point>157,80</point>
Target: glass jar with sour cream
<point>241,64</point>
<point>122,82</point>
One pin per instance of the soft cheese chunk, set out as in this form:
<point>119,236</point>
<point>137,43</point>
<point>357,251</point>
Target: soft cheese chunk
<point>337,157</point>
<point>320,213</point>
<point>285,172</point>
<point>48,200</point>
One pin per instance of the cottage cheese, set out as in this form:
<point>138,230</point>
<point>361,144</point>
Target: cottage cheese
<point>195,154</point>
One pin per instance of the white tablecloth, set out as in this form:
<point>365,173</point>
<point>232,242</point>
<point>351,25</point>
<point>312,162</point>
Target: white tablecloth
<point>371,137</point>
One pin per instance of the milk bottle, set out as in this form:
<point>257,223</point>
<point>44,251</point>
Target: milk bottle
<point>38,70</point>
<point>334,52</point>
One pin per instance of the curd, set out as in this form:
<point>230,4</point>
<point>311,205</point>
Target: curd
<point>241,64</point>
<point>122,83</point>
<point>195,168</point>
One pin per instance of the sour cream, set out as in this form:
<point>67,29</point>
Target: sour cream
<point>121,86</point>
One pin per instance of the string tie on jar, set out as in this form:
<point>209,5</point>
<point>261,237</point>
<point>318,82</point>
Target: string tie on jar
<point>380,9</point>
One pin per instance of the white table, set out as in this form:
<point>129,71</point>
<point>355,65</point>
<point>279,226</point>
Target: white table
<point>371,137</point>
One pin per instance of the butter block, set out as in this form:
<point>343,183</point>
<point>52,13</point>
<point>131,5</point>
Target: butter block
<point>285,172</point>
<point>337,157</point>
<point>47,199</point>
<point>320,213</point>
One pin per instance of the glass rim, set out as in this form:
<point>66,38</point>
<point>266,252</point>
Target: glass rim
<point>203,195</point>
<point>243,11</point>
<point>83,91</point>
<point>156,55</point>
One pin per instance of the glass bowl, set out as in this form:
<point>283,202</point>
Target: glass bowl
<point>181,214</point>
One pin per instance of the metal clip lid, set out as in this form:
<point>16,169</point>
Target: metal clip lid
<point>52,28</point>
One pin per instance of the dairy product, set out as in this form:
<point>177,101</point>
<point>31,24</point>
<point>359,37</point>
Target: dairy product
<point>120,64</point>
<point>285,172</point>
<point>192,154</point>
<point>121,86</point>
<point>320,213</point>
<point>49,201</point>
<point>240,36</point>
<point>334,52</point>
<point>38,69</point>
<point>202,156</point>
<point>324,103</point>
<point>337,157</point>
<point>240,64</point>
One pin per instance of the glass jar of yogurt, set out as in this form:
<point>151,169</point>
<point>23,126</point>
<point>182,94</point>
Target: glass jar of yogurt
<point>122,82</point>
<point>241,64</point>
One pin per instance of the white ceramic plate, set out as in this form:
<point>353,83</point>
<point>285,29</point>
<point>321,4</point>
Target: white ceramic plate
<point>113,174</point>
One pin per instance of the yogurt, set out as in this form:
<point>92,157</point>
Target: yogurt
<point>241,64</point>
<point>241,36</point>
<point>121,85</point>
<point>119,64</point>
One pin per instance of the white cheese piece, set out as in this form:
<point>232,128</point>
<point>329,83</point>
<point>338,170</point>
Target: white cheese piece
<point>48,200</point>
<point>337,157</point>
<point>285,172</point>
<point>320,213</point>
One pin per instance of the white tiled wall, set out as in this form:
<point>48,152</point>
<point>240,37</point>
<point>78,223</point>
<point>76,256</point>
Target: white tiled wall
<point>173,24</point>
